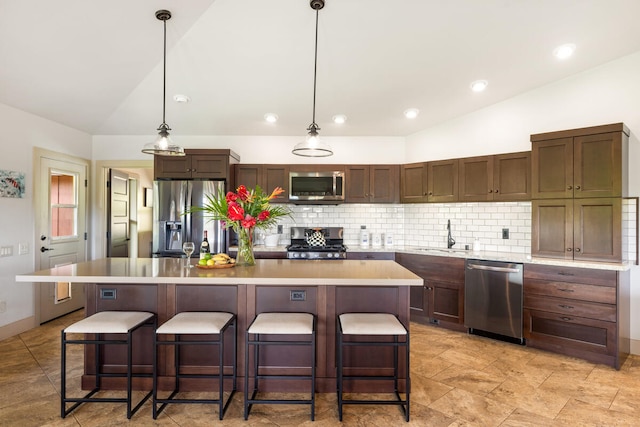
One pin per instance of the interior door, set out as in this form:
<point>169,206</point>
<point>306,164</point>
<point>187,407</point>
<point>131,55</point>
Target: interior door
<point>118,231</point>
<point>61,205</point>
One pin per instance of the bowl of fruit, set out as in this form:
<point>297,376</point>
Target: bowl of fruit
<point>219,260</point>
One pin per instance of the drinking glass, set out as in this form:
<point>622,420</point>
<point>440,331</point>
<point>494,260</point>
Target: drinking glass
<point>188,248</point>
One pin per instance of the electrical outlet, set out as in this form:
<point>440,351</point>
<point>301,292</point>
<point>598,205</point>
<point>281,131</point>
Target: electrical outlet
<point>23,248</point>
<point>505,233</point>
<point>298,295</point>
<point>107,293</point>
<point>6,251</point>
<point>279,228</point>
<point>3,306</point>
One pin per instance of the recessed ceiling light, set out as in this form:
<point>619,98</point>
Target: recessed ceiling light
<point>411,113</point>
<point>339,119</point>
<point>183,99</point>
<point>564,51</point>
<point>479,85</point>
<point>271,117</point>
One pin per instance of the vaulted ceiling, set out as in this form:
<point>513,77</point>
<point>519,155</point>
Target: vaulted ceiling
<point>97,65</point>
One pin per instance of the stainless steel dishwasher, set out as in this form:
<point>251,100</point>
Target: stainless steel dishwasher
<point>493,297</point>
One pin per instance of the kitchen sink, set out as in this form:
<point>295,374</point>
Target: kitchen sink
<point>449,251</point>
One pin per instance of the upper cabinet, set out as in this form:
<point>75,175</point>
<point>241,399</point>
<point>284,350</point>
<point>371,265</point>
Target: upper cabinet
<point>442,181</point>
<point>195,164</point>
<point>502,177</point>
<point>413,183</point>
<point>579,163</point>
<point>268,177</point>
<point>372,184</point>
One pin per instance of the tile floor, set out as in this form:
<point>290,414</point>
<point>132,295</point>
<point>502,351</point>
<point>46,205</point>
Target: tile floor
<point>458,380</point>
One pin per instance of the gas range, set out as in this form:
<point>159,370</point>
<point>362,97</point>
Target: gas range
<point>316,243</point>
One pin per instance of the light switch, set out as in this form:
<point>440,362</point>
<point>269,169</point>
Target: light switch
<point>6,251</point>
<point>23,248</point>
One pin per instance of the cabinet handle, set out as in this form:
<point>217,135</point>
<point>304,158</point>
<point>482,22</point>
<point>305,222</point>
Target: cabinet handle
<point>490,191</point>
<point>569,249</point>
<point>566,318</point>
<point>565,306</point>
<point>577,249</point>
<point>565,290</point>
<point>570,187</point>
<point>577,187</point>
<point>430,193</point>
<point>497,191</point>
<point>562,273</point>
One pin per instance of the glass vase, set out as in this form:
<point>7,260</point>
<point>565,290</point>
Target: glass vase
<point>245,247</point>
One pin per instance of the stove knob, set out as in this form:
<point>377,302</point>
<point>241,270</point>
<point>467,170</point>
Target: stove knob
<point>295,255</point>
<point>303,255</point>
<point>329,255</point>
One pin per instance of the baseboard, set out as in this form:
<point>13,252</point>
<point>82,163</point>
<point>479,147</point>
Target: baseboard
<point>15,328</point>
<point>635,347</point>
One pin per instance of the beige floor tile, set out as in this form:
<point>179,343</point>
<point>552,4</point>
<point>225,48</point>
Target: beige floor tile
<point>577,413</point>
<point>543,402</point>
<point>522,418</point>
<point>590,392</point>
<point>472,380</point>
<point>472,408</point>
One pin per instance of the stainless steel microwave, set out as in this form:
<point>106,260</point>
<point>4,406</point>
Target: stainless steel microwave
<point>316,187</point>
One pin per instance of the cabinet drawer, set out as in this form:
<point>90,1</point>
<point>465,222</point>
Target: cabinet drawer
<point>571,274</point>
<point>574,291</point>
<point>569,308</point>
<point>575,336</point>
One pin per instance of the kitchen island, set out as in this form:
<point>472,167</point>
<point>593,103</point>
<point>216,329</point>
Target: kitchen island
<point>165,286</point>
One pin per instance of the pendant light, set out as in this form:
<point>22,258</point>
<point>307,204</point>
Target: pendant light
<point>312,146</point>
<point>163,146</point>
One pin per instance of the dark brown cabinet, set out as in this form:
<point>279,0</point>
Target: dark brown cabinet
<point>195,164</point>
<point>580,229</point>
<point>413,183</point>
<point>503,177</point>
<point>578,312</point>
<point>441,299</point>
<point>372,184</point>
<point>580,163</point>
<point>371,255</point>
<point>442,181</point>
<point>268,177</point>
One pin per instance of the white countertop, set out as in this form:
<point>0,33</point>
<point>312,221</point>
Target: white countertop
<point>265,272</point>
<point>484,255</point>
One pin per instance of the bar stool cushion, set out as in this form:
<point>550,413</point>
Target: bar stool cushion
<point>371,324</point>
<point>282,323</point>
<point>194,322</point>
<point>109,322</point>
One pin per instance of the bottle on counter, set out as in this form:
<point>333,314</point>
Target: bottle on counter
<point>204,246</point>
<point>476,245</point>
<point>364,237</point>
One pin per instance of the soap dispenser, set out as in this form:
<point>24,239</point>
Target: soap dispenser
<point>476,245</point>
<point>364,237</point>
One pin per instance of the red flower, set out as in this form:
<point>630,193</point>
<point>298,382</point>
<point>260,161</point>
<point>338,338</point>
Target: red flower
<point>264,215</point>
<point>248,222</point>
<point>231,197</point>
<point>235,212</point>
<point>243,193</point>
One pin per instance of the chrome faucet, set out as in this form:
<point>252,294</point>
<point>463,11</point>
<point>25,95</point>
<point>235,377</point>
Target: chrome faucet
<point>450,241</point>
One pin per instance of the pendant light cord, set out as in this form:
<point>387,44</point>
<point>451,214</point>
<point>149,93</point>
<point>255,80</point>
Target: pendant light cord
<point>315,71</point>
<point>164,72</point>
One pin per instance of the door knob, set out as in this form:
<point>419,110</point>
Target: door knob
<point>43,237</point>
<point>43,249</point>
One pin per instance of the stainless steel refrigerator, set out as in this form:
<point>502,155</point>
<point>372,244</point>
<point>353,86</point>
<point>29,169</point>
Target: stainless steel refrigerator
<point>172,225</point>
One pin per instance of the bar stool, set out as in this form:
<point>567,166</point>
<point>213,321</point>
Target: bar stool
<point>101,323</point>
<point>196,323</point>
<point>279,324</point>
<point>368,324</point>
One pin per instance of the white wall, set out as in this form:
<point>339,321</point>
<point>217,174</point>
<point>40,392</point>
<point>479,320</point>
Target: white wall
<point>21,132</point>
<point>261,149</point>
<point>607,94</point>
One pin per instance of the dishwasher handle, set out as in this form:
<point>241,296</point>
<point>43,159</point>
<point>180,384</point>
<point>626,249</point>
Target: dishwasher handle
<point>492,268</point>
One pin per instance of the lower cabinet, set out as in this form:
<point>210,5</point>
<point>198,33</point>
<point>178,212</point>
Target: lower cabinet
<point>578,312</point>
<point>441,299</point>
<point>371,255</point>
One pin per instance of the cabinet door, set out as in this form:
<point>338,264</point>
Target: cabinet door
<point>384,183</point>
<point>276,176</point>
<point>413,183</point>
<point>357,184</point>
<point>443,181</point>
<point>446,301</point>
<point>177,167</point>
<point>552,168</point>
<point>209,166</point>
<point>597,165</point>
<point>512,176</point>
<point>476,179</point>
<point>552,228</point>
<point>419,303</point>
<point>597,229</point>
<point>248,175</point>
